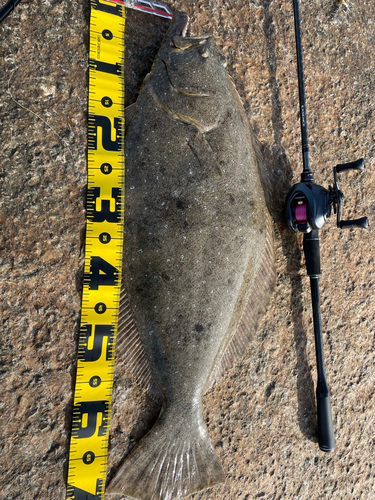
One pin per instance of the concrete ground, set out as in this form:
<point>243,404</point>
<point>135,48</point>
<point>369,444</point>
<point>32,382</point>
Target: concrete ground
<point>262,415</point>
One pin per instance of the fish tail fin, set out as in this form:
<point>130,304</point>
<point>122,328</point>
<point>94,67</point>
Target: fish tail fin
<point>176,458</point>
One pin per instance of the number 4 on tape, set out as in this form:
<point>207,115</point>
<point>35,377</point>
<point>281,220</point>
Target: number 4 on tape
<point>103,254</point>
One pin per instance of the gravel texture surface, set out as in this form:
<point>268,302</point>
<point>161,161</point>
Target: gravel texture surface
<point>262,415</point>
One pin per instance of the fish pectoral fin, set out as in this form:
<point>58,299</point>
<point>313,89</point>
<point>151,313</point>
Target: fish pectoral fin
<point>130,113</point>
<point>204,153</point>
<point>175,459</point>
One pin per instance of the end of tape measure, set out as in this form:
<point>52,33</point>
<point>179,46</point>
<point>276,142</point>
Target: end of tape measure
<point>154,8</point>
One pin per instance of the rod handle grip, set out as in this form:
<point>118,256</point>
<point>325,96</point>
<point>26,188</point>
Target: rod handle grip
<point>326,436</point>
<point>311,248</point>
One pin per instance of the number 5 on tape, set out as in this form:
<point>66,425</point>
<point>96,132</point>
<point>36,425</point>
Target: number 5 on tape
<point>103,254</point>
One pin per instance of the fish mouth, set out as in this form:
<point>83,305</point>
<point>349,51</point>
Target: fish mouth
<point>179,25</point>
<point>185,29</point>
<point>180,33</point>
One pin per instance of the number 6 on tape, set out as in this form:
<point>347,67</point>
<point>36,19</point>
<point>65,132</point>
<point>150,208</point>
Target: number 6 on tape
<point>103,254</point>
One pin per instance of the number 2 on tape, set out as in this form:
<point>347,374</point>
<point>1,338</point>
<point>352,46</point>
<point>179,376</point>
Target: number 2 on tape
<point>103,254</point>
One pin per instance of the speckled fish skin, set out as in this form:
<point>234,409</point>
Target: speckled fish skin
<point>196,229</point>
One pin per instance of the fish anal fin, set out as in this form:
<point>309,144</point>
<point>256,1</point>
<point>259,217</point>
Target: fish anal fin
<point>257,299</point>
<point>129,348</point>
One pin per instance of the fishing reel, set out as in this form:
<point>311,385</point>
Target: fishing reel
<point>308,205</point>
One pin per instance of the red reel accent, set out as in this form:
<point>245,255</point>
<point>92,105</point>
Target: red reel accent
<point>301,213</point>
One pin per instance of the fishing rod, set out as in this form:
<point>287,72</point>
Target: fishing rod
<point>7,9</point>
<point>307,208</point>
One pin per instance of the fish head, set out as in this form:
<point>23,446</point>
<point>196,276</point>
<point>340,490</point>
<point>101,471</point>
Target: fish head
<point>189,76</point>
<point>195,66</point>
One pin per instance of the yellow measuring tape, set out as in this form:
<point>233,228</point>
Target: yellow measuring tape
<point>103,254</point>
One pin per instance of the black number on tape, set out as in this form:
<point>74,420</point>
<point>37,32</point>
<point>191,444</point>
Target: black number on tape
<point>88,457</point>
<point>77,494</point>
<point>111,9</point>
<point>91,410</point>
<point>101,274</point>
<point>104,238</point>
<point>105,214</point>
<point>106,168</point>
<point>100,308</point>
<point>107,34</point>
<point>104,122</point>
<point>95,381</point>
<point>106,102</point>
<point>112,69</point>
<point>100,333</point>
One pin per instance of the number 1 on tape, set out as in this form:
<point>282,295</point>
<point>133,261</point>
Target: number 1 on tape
<point>103,254</point>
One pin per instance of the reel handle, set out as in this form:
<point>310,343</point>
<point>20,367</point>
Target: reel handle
<point>363,222</point>
<point>353,165</point>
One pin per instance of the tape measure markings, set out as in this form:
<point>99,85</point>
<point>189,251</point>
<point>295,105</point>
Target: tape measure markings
<point>103,254</point>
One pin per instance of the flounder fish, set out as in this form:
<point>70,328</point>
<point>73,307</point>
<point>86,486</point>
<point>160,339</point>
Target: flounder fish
<point>198,257</point>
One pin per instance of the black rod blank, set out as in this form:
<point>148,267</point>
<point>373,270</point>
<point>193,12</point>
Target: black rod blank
<point>7,9</point>
<point>307,174</point>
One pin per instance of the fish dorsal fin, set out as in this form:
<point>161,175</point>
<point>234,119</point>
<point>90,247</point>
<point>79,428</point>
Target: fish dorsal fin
<point>257,299</point>
<point>129,347</point>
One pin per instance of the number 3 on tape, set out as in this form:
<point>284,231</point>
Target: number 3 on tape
<point>103,255</point>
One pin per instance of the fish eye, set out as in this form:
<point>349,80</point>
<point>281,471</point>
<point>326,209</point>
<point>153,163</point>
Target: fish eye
<point>223,61</point>
<point>204,52</point>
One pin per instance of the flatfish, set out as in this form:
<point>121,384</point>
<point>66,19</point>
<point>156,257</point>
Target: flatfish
<point>198,257</point>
